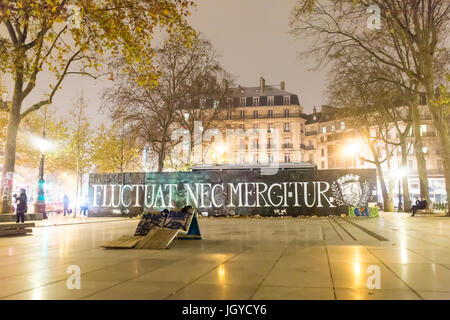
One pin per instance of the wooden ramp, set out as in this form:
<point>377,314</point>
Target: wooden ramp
<point>16,229</point>
<point>124,242</point>
<point>157,230</point>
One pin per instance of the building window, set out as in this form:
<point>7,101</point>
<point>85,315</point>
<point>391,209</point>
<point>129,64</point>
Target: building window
<point>230,102</point>
<point>270,127</point>
<point>287,100</point>
<point>242,114</point>
<point>287,127</point>
<point>228,114</point>
<point>322,152</point>
<point>242,158</point>
<point>342,125</point>
<point>255,114</point>
<point>270,113</point>
<point>270,157</point>
<point>286,113</point>
<point>255,127</point>
<point>287,158</point>
<point>270,100</point>
<point>333,127</point>
<point>243,102</point>
<point>256,158</point>
<point>423,130</point>
<point>324,129</point>
<point>255,144</point>
<point>255,101</point>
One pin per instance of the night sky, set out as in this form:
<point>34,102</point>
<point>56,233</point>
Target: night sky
<point>252,37</point>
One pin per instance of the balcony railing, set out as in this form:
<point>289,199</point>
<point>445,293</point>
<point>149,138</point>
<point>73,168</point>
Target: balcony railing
<point>287,145</point>
<point>263,116</point>
<point>310,133</point>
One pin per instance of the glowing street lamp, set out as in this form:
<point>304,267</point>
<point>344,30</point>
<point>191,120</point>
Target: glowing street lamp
<point>351,150</point>
<point>39,207</point>
<point>220,151</point>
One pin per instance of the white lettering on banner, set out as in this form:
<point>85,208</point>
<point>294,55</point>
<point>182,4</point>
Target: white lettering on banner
<point>171,187</point>
<point>213,195</point>
<point>160,194</point>
<point>127,186</point>
<point>261,194</point>
<point>306,194</point>
<point>190,195</point>
<point>147,196</point>
<point>137,195</point>
<point>95,186</point>
<point>270,195</point>
<point>113,186</point>
<point>236,191</point>
<point>247,193</point>
<point>206,195</point>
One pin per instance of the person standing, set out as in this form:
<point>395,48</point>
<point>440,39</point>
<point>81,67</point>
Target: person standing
<point>22,206</point>
<point>66,202</point>
<point>84,207</point>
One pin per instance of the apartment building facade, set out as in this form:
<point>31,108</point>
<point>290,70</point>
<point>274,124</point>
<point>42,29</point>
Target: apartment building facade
<point>274,128</point>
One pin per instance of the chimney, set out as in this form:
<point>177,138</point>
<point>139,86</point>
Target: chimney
<point>262,84</point>
<point>283,85</point>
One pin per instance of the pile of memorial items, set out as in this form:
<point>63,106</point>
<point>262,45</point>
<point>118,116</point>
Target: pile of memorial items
<point>156,230</point>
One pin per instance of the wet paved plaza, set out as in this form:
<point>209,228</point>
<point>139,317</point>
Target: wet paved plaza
<point>239,258</point>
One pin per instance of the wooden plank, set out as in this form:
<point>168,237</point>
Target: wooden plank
<point>7,226</point>
<point>157,239</point>
<point>13,232</point>
<point>124,242</point>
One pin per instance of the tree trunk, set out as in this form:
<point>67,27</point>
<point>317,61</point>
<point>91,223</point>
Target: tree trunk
<point>387,200</point>
<point>441,127</point>
<point>9,162</point>
<point>405,184</point>
<point>418,150</point>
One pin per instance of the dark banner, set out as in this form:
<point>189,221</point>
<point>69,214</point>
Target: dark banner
<point>290,192</point>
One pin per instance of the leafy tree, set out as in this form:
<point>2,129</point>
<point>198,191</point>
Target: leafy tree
<point>64,39</point>
<point>79,145</point>
<point>412,41</point>
<point>115,150</point>
<point>190,80</point>
<point>56,133</point>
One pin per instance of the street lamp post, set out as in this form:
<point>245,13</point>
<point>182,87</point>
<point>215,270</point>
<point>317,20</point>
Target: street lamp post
<point>39,206</point>
<point>400,204</point>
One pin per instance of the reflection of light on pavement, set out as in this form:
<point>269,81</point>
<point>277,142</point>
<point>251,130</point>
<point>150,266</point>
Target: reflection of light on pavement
<point>357,269</point>
<point>221,273</point>
<point>37,294</point>
<point>404,255</point>
<point>10,252</point>
<point>44,241</point>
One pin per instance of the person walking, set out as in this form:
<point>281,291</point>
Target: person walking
<point>21,206</point>
<point>66,202</point>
